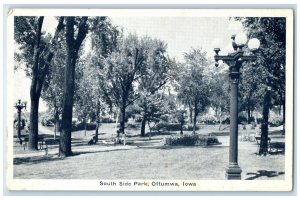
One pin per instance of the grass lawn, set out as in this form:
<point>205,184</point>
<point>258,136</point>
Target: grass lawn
<point>146,159</point>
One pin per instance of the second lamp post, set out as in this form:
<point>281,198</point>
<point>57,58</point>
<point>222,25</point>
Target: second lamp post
<point>19,106</point>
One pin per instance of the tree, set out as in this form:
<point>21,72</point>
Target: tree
<point>73,44</point>
<point>122,69</point>
<point>36,51</point>
<point>156,75</point>
<point>195,91</point>
<point>105,39</point>
<point>271,60</point>
<point>219,98</point>
<point>180,115</point>
<point>88,95</point>
<point>251,92</point>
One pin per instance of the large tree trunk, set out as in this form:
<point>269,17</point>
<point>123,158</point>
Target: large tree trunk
<point>97,121</point>
<point>283,119</point>
<point>56,126</point>
<point>84,121</point>
<point>72,47</point>
<point>263,149</point>
<point>65,136</point>
<point>34,121</point>
<point>220,120</point>
<point>143,126</point>
<point>34,90</point>
<point>191,113</point>
<point>249,112</point>
<point>122,119</point>
<point>97,132</point>
<point>150,129</point>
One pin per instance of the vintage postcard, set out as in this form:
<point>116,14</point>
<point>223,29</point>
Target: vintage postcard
<point>149,99</point>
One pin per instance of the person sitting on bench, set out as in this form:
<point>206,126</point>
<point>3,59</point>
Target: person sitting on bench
<point>92,141</point>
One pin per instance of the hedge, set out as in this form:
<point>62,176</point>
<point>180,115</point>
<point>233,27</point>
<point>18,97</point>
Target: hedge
<point>191,140</point>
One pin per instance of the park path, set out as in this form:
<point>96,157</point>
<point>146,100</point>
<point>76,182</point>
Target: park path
<point>44,130</point>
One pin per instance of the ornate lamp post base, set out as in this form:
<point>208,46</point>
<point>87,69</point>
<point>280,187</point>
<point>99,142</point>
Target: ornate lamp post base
<point>233,172</point>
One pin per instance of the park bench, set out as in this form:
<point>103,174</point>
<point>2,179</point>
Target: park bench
<point>258,140</point>
<point>248,136</point>
<point>120,140</point>
<point>278,146</point>
<point>25,141</point>
<point>40,141</point>
<point>47,143</point>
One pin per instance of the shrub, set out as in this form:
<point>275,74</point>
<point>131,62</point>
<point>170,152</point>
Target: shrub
<point>133,126</point>
<point>163,126</point>
<point>275,120</point>
<point>107,120</point>
<point>226,120</point>
<point>242,119</point>
<point>167,126</point>
<point>252,119</point>
<point>191,140</point>
<point>47,120</point>
<point>253,125</point>
<point>208,119</point>
<point>212,141</point>
<point>259,120</point>
<point>22,123</point>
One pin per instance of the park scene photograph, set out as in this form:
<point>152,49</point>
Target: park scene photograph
<point>156,98</point>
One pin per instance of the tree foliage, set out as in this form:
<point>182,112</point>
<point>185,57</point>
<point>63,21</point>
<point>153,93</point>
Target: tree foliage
<point>193,83</point>
<point>219,95</point>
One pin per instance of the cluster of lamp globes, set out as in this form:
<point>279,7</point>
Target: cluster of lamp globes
<point>239,40</point>
<point>20,105</point>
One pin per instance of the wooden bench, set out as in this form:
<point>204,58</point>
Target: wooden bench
<point>258,140</point>
<point>49,142</point>
<point>278,146</point>
<point>25,140</point>
<point>40,141</point>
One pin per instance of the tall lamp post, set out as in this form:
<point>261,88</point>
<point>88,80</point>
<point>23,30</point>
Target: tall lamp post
<point>19,106</point>
<point>235,60</point>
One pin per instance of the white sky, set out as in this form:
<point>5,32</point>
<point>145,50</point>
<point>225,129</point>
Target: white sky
<point>180,33</point>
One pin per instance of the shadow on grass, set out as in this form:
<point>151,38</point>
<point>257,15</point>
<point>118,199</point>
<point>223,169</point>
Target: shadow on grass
<point>155,133</point>
<point>36,159</point>
<point>277,132</point>
<point>168,147</point>
<point>261,173</point>
<point>77,153</point>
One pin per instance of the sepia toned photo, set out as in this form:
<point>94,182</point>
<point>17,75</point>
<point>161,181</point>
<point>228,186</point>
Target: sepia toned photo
<point>150,100</point>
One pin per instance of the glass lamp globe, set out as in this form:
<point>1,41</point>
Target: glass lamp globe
<point>235,27</point>
<point>253,44</point>
<point>241,39</point>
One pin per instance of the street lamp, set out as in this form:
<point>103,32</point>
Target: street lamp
<point>235,60</point>
<point>19,106</point>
